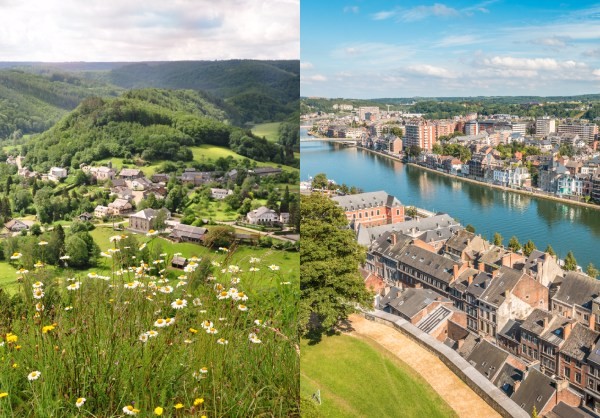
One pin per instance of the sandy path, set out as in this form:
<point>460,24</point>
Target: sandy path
<point>455,392</point>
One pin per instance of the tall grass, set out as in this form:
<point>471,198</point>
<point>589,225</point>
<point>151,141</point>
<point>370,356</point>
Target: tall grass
<point>88,343</point>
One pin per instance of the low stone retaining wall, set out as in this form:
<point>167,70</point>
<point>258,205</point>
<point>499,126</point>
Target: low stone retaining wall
<point>459,366</point>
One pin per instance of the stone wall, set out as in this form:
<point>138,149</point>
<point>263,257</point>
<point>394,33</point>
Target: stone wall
<point>459,366</point>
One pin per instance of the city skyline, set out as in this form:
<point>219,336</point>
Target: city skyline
<point>149,30</point>
<point>356,49</point>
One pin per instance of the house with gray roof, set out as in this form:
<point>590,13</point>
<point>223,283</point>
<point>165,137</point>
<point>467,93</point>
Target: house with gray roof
<point>541,266</point>
<point>413,304</point>
<point>575,295</point>
<point>536,390</point>
<point>574,354</point>
<point>262,216</point>
<point>488,359</point>
<point>371,208</point>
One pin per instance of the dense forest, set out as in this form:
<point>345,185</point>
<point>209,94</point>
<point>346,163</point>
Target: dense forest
<point>252,91</point>
<point>149,124</point>
<point>31,103</point>
<point>586,106</point>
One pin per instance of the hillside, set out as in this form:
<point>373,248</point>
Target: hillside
<point>255,91</point>
<point>31,103</point>
<point>149,124</point>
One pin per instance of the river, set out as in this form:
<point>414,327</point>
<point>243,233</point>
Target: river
<point>489,210</point>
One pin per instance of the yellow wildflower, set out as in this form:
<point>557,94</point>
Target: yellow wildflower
<point>11,338</point>
<point>3,394</point>
<point>158,410</point>
<point>198,401</point>
<point>179,406</point>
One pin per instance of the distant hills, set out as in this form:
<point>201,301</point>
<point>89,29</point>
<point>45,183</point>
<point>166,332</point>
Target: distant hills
<point>250,91</point>
<point>148,124</point>
<point>31,103</point>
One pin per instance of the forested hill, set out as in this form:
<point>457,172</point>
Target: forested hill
<point>149,124</point>
<point>258,91</point>
<point>31,103</point>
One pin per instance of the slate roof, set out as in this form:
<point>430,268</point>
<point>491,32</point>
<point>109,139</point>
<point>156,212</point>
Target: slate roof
<point>487,359</point>
<point>506,378</point>
<point>148,214</point>
<point>535,390</point>
<point>462,283</point>
<point>580,342</point>
<point>460,241</point>
<point>493,256</point>
<point>562,410</point>
<point>578,289</point>
<point>507,279</point>
<point>511,330</point>
<point>433,264</point>
<point>188,231</point>
<point>468,345</point>
<point>366,200</point>
<point>130,172</point>
<point>552,331</point>
<point>412,301</point>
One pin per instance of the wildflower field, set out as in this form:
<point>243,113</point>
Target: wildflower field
<point>138,338</point>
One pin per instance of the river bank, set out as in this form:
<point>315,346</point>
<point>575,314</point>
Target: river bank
<point>493,186</point>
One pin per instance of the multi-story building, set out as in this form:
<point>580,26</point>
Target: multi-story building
<point>573,361</point>
<point>420,133</point>
<point>371,209</point>
<point>512,176</point>
<point>574,296</point>
<point>472,128</point>
<point>586,131</point>
<point>544,126</point>
<point>368,112</point>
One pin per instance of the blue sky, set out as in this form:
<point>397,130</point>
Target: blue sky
<point>154,30</point>
<point>369,49</point>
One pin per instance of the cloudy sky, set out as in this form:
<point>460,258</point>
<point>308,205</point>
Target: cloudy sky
<point>376,48</point>
<point>137,30</point>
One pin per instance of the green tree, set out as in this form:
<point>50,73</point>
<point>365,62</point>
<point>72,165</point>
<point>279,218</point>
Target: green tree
<point>411,211</point>
<point>414,151</point>
<point>470,228</point>
<point>550,250</point>
<point>514,244</point>
<point>498,239</point>
<point>570,262</point>
<point>592,271</point>
<point>77,250</point>
<point>320,181</point>
<point>35,230</point>
<point>219,236</point>
<point>330,283</point>
<point>528,248</point>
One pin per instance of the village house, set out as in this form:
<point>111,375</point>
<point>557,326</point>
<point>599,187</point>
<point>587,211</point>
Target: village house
<point>143,220</point>
<point>262,216</point>
<point>220,194</point>
<point>57,174</point>
<point>573,360</point>
<point>188,233</point>
<point>15,225</point>
<point>541,266</point>
<point>120,206</point>
<point>100,173</point>
<point>101,211</point>
<point>130,173</point>
<point>195,178</point>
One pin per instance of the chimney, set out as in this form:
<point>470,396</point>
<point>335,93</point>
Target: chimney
<point>394,239</point>
<point>592,321</point>
<point>418,285</point>
<point>517,384</point>
<point>455,271</point>
<point>567,330</point>
<point>470,280</point>
<point>495,273</point>
<point>545,322</point>
<point>481,266</point>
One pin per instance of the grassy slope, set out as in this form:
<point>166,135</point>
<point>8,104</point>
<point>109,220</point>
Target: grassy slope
<point>359,379</point>
<point>287,261</point>
<point>268,130</point>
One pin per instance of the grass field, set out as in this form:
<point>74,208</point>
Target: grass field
<point>213,152</point>
<point>358,379</point>
<point>268,130</point>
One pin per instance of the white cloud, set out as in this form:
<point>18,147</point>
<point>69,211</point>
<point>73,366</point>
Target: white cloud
<point>305,65</point>
<point>458,40</point>
<point>431,70</point>
<point>549,64</point>
<point>423,12</point>
<point>133,30</point>
<point>315,77</point>
<point>553,41</point>
<point>596,72</point>
<point>351,9</point>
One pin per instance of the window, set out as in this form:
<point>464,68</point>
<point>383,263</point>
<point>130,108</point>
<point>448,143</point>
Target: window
<point>590,384</point>
<point>378,211</point>
<point>578,377</point>
<point>567,372</point>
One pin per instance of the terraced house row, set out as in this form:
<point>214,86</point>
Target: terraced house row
<point>543,322</point>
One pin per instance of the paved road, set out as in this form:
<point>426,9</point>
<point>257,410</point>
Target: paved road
<point>455,392</point>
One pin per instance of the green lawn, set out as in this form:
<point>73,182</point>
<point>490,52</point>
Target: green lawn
<point>359,379</point>
<point>268,130</point>
<point>288,262</point>
<point>212,152</point>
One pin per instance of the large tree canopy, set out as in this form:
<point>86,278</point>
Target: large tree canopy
<point>330,283</point>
